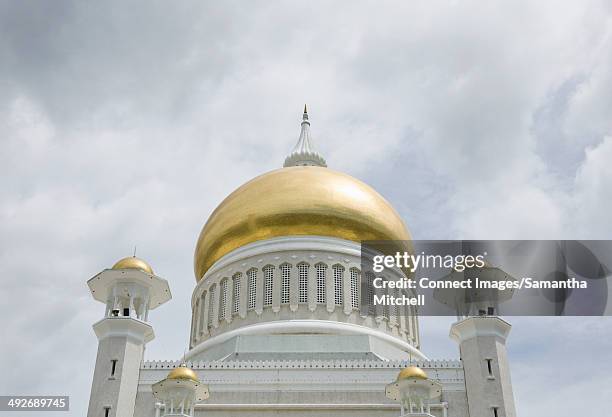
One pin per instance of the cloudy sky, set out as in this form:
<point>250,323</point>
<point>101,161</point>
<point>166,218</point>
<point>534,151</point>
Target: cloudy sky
<point>125,124</point>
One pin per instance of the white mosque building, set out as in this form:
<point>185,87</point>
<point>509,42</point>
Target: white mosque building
<point>276,325</point>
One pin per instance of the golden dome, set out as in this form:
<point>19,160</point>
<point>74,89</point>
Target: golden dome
<point>132,262</point>
<point>411,372</point>
<point>183,372</point>
<point>298,200</point>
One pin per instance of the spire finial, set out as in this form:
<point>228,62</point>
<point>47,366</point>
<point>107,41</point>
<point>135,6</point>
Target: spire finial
<point>184,358</point>
<point>303,153</point>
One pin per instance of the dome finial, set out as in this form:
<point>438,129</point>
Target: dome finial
<point>303,153</point>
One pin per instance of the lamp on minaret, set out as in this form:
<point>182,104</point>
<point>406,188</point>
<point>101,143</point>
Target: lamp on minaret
<point>179,392</point>
<point>129,290</point>
<point>304,153</point>
<point>483,300</point>
<point>414,391</point>
<point>481,336</point>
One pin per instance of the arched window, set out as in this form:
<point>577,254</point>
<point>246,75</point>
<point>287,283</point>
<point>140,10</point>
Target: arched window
<point>268,284</point>
<point>321,290</point>
<point>236,292</point>
<point>303,282</point>
<point>211,304</point>
<point>202,311</point>
<point>285,282</point>
<point>252,288</point>
<point>223,300</point>
<point>354,288</point>
<point>338,284</point>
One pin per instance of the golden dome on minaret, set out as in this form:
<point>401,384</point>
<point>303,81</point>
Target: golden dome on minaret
<point>132,262</point>
<point>297,201</point>
<point>183,372</point>
<point>411,372</point>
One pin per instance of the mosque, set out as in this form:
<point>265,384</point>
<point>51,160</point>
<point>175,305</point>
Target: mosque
<point>276,324</point>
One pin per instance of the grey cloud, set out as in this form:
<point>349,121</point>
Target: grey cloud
<point>125,125</point>
<point>89,61</point>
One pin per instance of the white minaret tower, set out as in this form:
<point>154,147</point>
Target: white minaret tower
<point>481,336</point>
<point>129,289</point>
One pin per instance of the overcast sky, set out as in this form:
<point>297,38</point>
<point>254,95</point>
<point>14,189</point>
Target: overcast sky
<point>125,124</point>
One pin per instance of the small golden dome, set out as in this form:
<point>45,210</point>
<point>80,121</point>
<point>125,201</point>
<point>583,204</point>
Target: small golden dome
<point>411,372</point>
<point>183,372</point>
<point>297,200</point>
<point>132,262</point>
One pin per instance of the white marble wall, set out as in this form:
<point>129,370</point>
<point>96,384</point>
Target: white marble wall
<point>306,388</point>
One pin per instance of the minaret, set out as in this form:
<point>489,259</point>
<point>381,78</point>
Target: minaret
<point>304,153</point>
<point>481,336</point>
<point>129,289</point>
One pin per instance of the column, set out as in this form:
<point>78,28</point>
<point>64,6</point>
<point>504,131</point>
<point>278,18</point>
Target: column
<point>346,284</point>
<point>293,288</point>
<point>312,287</point>
<point>214,299</point>
<point>329,288</point>
<point>195,322</point>
<point>260,291</point>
